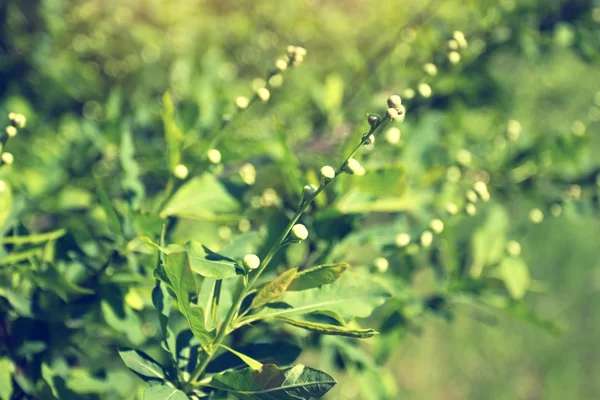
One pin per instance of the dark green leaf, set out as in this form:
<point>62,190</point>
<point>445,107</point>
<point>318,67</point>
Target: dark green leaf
<point>143,365</point>
<point>271,382</point>
<point>328,329</point>
<point>50,278</point>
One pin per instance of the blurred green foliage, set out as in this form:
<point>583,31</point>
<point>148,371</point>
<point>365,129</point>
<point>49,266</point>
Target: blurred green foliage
<point>471,317</point>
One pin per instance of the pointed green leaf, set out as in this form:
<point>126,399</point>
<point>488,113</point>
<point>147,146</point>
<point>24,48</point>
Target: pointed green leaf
<point>274,289</point>
<point>7,368</point>
<point>204,198</point>
<point>114,222</point>
<point>131,182</point>
<point>163,392</point>
<point>318,276</point>
<point>143,365</point>
<point>251,362</point>
<point>209,264</point>
<point>515,274</point>
<point>173,135</point>
<point>35,238</point>
<point>271,382</point>
<point>328,329</point>
<point>50,278</point>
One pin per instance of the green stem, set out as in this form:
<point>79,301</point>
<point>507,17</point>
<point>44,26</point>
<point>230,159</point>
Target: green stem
<point>233,311</point>
<point>214,308</point>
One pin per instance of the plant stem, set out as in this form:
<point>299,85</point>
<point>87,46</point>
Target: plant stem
<point>224,328</point>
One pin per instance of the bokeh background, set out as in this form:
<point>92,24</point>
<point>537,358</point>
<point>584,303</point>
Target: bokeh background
<point>84,71</point>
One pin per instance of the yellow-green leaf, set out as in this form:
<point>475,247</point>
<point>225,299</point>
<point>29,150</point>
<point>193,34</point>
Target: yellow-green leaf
<point>328,329</point>
<point>274,289</point>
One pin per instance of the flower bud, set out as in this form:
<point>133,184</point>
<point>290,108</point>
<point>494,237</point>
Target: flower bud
<point>460,39</point>
<point>248,173</point>
<point>470,209</point>
<point>408,93</point>
<point>242,102</point>
<point>281,64</point>
<point>373,119</point>
<point>556,210</point>
<point>308,191</point>
<point>536,215</point>
<point>472,196</point>
<point>402,239</point>
<point>392,135</point>
<point>7,158</point>
<point>263,94</point>
<point>251,261</point>
<point>382,264</point>
<point>424,90</point>
<point>513,248</point>
<point>452,44</point>
<point>299,232</point>
<point>11,131</point>
<point>513,129</point>
<point>224,232</point>
<point>327,173</point>
<point>437,225</point>
<point>353,167</point>
<point>214,156</point>
<point>426,239</point>
<point>18,120</point>
<point>454,57</point>
<point>368,138</point>
<point>430,69</point>
<point>244,225</point>
<point>452,208</point>
<point>394,102</point>
<point>180,171</point>
<point>392,113</point>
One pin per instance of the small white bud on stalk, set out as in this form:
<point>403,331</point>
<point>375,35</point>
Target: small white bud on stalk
<point>536,216</point>
<point>470,209</point>
<point>244,226</point>
<point>248,174</point>
<point>426,239</point>
<point>299,232</point>
<point>513,248</point>
<point>242,102</point>
<point>408,93</point>
<point>430,69</point>
<point>556,210</point>
<point>393,113</point>
<point>281,64</point>
<point>424,90</point>
<point>251,261</point>
<point>214,156</point>
<point>308,191</point>
<point>353,167</point>
<point>7,158</point>
<point>402,239</point>
<point>382,264</point>
<point>224,232</point>
<point>482,189</point>
<point>394,102</point>
<point>327,173</point>
<point>453,174</point>
<point>373,119</point>
<point>452,44</point>
<point>437,225</point>
<point>472,196</point>
<point>3,186</point>
<point>369,138</point>
<point>392,135</point>
<point>452,208</point>
<point>263,94</point>
<point>11,131</point>
<point>18,120</point>
<point>180,171</point>
<point>454,57</point>
<point>464,157</point>
<point>460,39</point>
<point>513,129</point>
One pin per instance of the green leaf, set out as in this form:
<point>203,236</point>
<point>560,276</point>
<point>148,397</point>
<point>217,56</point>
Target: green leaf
<point>173,135</point>
<point>35,238</point>
<point>131,183</point>
<point>328,329</point>
<point>274,289</point>
<point>6,203</point>
<point>58,384</point>
<point>318,276</point>
<point>17,257</point>
<point>203,198</point>
<point>163,392</point>
<point>143,365</point>
<point>352,295</point>
<point>7,368</point>
<point>183,283</point>
<point>210,264</point>
<point>514,273</point>
<point>114,222</point>
<point>271,382</point>
<point>251,362</point>
<point>50,278</point>
<point>489,241</point>
<point>21,304</point>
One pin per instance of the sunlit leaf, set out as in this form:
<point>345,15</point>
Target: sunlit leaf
<point>274,289</point>
<point>318,276</point>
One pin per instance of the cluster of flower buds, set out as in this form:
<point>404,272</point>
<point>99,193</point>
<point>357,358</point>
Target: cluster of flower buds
<point>396,109</point>
<point>296,55</point>
<point>17,120</point>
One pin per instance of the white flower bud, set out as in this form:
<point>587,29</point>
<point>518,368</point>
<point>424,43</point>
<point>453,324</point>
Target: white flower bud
<point>452,208</point>
<point>180,171</point>
<point>452,44</point>
<point>327,173</point>
<point>536,216</point>
<point>308,191</point>
<point>430,69</point>
<point>263,94</point>
<point>392,113</point>
<point>224,232</point>
<point>426,239</point>
<point>248,174</point>
<point>214,156</point>
<point>513,129</point>
<point>18,120</point>
<point>392,135</point>
<point>472,196</point>
<point>244,226</point>
<point>470,209</point>
<point>464,157</point>
<point>460,39</point>
<point>424,90</point>
<point>513,248</point>
<point>242,102</point>
<point>7,158</point>
<point>299,232</point>
<point>437,225</point>
<point>291,51</point>
<point>382,264</point>
<point>276,80</point>
<point>453,174</point>
<point>408,93</point>
<point>11,131</point>
<point>402,239</point>
<point>578,128</point>
<point>281,64</point>
<point>301,51</point>
<point>370,139</point>
<point>251,261</point>
<point>394,102</point>
<point>3,186</point>
<point>556,210</point>
<point>454,57</point>
<point>353,167</point>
